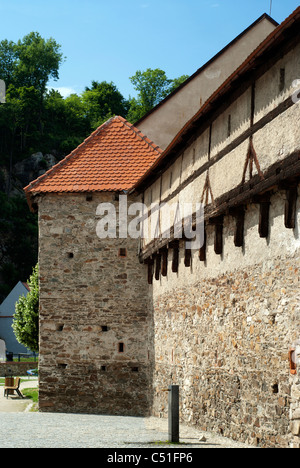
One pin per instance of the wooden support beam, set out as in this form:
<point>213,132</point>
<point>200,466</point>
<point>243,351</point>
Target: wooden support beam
<point>239,215</point>
<point>175,259</point>
<point>279,175</point>
<point>218,223</point>
<point>157,266</point>
<point>264,213</point>
<point>150,264</point>
<point>290,211</point>
<point>187,257</point>
<point>202,253</point>
<point>164,266</point>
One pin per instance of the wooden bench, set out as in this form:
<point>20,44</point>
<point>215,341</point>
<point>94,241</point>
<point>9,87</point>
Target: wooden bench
<point>15,388</point>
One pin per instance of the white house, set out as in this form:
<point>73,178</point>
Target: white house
<point>7,310</point>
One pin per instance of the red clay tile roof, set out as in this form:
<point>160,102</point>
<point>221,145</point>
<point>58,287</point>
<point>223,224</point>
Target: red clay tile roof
<point>113,158</point>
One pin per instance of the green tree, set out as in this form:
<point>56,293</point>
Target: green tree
<point>152,87</point>
<point>26,318</point>
<point>102,101</point>
<point>8,60</point>
<point>26,67</point>
<point>38,60</point>
<point>18,242</point>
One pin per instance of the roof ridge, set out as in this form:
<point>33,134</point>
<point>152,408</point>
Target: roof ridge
<point>66,159</point>
<point>70,156</point>
<point>210,62</point>
<point>259,49</point>
<point>110,159</point>
<point>140,134</point>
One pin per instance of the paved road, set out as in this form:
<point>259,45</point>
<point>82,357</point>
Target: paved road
<point>22,429</point>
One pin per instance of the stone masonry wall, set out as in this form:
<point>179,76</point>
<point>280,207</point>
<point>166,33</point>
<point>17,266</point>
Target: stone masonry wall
<point>223,331</point>
<point>94,348</point>
<point>16,369</point>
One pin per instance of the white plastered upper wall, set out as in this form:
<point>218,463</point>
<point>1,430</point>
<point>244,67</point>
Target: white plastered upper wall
<point>165,120</point>
<point>275,141</point>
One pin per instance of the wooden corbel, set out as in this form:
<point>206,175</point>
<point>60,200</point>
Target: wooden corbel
<point>290,211</point>
<point>175,260</point>
<point>164,264</point>
<point>264,213</point>
<point>157,266</point>
<point>239,215</point>
<point>202,252</point>
<point>218,223</point>
<point>150,264</point>
<point>187,257</point>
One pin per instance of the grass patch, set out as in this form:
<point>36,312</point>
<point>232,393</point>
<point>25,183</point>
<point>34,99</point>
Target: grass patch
<point>32,393</point>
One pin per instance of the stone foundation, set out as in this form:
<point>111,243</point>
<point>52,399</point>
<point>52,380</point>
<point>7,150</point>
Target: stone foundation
<point>225,341</point>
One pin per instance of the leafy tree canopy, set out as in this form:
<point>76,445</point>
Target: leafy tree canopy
<point>152,86</point>
<point>32,61</point>
<point>26,317</point>
<point>102,101</point>
<point>18,242</point>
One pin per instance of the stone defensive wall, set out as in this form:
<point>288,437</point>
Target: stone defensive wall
<point>226,316</point>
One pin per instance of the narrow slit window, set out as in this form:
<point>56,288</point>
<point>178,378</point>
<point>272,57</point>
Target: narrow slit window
<point>103,368</point>
<point>171,179</point>
<point>121,347</point>
<point>229,126</point>
<point>282,79</point>
<point>194,157</point>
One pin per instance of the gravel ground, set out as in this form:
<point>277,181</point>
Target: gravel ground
<point>20,428</point>
<point>54,430</point>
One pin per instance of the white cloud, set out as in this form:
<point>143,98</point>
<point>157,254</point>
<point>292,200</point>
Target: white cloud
<point>64,91</point>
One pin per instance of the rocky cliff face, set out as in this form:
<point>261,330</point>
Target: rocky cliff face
<point>34,166</point>
<point>26,171</point>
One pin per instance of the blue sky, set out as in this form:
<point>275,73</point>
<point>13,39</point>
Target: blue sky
<point>111,40</point>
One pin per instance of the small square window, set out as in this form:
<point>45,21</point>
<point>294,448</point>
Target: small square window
<point>123,253</point>
<point>104,328</point>
<point>62,366</point>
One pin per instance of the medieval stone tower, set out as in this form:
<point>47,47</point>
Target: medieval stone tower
<point>94,320</point>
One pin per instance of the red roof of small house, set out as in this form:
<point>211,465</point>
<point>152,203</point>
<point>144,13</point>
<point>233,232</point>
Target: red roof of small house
<point>113,158</point>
